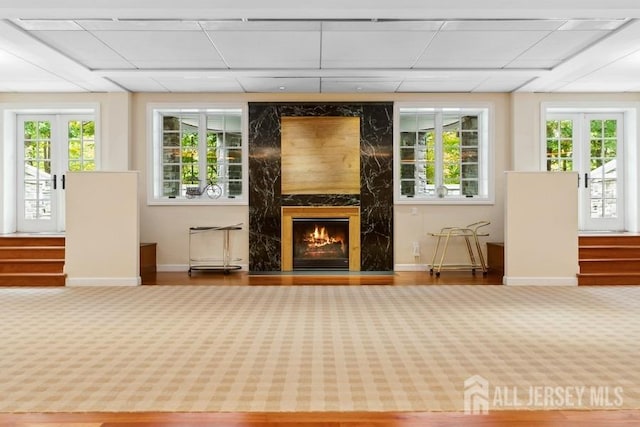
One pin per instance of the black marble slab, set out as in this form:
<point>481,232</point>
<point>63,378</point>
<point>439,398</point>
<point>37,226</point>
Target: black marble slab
<point>376,181</point>
<point>320,200</point>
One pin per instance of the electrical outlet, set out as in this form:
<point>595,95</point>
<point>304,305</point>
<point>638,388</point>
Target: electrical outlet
<point>416,249</point>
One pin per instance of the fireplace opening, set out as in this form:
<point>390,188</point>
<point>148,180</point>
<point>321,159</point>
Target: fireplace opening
<point>320,243</point>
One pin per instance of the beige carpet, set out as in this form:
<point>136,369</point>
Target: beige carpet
<point>332,348</point>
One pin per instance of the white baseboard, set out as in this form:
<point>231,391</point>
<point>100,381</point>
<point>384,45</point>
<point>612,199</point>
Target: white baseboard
<point>172,267</point>
<point>410,267</point>
<point>103,281</point>
<point>540,281</point>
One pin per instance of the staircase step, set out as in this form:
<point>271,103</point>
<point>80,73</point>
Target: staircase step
<point>609,251</point>
<point>31,252</point>
<point>31,265</point>
<point>610,265</point>
<point>17,240</point>
<point>34,279</point>
<point>606,279</point>
<point>609,239</point>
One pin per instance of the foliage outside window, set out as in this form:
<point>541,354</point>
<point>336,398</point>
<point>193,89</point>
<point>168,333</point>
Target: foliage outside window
<point>443,154</point>
<point>195,148</point>
<point>587,144</point>
<point>82,145</point>
<point>603,140</point>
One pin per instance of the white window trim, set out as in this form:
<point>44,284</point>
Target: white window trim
<point>153,155</point>
<point>9,113</point>
<point>489,199</point>
<point>631,112</point>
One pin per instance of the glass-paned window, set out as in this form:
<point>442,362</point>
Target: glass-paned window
<point>560,145</point>
<point>442,153</point>
<point>82,145</point>
<point>199,154</point>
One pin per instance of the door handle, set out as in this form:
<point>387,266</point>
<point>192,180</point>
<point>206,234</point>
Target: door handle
<point>55,182</point>
<point>64,181</point>
<point>586,180</point>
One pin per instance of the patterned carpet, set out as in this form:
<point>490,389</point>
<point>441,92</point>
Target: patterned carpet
<point>314,348</point>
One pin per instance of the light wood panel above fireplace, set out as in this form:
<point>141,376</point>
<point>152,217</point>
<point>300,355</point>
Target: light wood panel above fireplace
<point>320,155</point>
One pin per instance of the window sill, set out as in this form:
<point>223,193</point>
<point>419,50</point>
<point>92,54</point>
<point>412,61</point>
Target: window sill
<point>197,202</point>
<point>446,201</point>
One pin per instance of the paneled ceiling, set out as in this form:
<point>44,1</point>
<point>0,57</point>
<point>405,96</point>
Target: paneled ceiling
<point>286,46</point>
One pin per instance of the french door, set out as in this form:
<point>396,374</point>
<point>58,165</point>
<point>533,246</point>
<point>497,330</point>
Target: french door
<point>591,144</point>
<point>47,147</point>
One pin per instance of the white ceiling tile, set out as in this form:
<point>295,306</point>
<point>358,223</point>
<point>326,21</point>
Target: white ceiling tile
<point>373,49</point>
<point>520,63</point>
<point>477,49</point>
<point>438,85</point>
<point>504,25</point>
<point>501,84</point>
<point>84,48</point>
<point>329,54</point>
<point>52,85</point>
<point>139,84</point>
<point>47,25</point>
<point>138,25</point>
<point>13,68</point>
<point>598,86</point>
<point>282,85</point>
<point>361,85</point>
<point>191,49</point>
<point>204,84</point>
<point>559,46</point>
<point>592,24</point>
<point>378,26</point>
<point>268,49</point>
<point>261,25</point>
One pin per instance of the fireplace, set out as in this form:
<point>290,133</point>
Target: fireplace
<point>321,243</point>
<point>320,237</point>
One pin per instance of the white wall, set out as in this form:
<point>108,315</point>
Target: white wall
<point>169,225</point>
<point>123,136</point>
<point>527,138</point>
<point>102,236</point>
<point>526,126</point>
<point>113,135</point>
<point>541,228</point>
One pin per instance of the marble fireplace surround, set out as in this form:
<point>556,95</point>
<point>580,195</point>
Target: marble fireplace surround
<point>374,201</point>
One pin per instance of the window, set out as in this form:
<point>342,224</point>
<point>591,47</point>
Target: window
<point>82,145</point>
<point>199,156</point>
<point>591,143</point>
<point>442,154</point>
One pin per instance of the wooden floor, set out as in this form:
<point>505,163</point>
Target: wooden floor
<point>329,419</point>
<point>353,419</point>
<point>243,278</point>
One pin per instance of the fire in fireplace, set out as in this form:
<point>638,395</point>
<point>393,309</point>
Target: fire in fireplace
<point>321,243</point>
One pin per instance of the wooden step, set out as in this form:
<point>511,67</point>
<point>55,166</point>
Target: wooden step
<point>32,279</point>
<point>609,239</point>
<point>610,265</point>
<point>32,260</point>
<point>18,240</point>
<point>606,279</point>
<point>31,265</point>
<point>31,252</point>
<point>609,251</point>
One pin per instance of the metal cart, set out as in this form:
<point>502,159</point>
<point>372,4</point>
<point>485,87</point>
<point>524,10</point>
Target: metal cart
<point>469,233</point>
<point>223,263</point>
